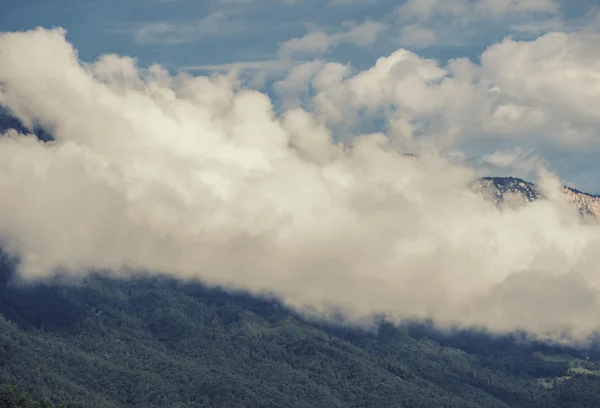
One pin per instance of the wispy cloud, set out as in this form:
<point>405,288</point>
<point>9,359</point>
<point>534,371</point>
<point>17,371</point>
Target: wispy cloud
<point>424,10</point>
<point>269,65</point>
<point>351,2</point>
<point>319,41</point>
<point>425,23</point>
<point>537,27</point>
<point>514,161</point>
<point>171,33</point>
<point>416,36</point>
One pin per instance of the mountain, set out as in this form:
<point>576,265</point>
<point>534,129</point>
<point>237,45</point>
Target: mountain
<point>588,204</point>
<point>502,190</point>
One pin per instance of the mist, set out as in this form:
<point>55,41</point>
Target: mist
<point>199,178</point>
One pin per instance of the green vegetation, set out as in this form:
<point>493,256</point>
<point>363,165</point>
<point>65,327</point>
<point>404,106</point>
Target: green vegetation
<point>160,343</point>
<point>577,366</point>
<point>10,397</point>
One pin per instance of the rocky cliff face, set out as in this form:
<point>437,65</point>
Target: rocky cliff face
<point>588,204</point>
<point>514,191</point>
<point>503,189</point>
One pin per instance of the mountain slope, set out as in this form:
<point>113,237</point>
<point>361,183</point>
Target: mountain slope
<point>159,343</point>
<point>513,190</point>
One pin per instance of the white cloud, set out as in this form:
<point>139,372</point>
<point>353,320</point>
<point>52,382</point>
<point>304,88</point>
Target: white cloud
<point>498,7</point>
<point>196,177</point>
<point>296,85</point>
<point>318,42</point>
<point>425,9</point>
<point>424,23</point>
<point>514,161</point>
<point>546,87</point>
<point>219,23</point>
<point>539,27</point>
<point>552,81</point>
<point>256,73</point>
<point>269,65</point>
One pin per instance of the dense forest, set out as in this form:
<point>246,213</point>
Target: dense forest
<point>153,342</point>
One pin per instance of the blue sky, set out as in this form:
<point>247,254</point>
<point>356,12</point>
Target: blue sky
<point>270,36</point>
<point>181,33</point>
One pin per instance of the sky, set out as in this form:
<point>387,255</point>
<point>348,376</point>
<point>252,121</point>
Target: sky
<point>263,146</point>
<point>264,40</point>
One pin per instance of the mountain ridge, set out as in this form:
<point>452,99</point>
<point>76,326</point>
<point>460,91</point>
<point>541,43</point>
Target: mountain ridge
<point>517,190</point>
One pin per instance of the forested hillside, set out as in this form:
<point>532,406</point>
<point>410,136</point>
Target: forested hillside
<point>160,343</point>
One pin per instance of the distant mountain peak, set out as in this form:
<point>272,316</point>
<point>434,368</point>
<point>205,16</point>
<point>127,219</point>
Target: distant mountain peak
<point>514,190</point>
<point>498,188</point>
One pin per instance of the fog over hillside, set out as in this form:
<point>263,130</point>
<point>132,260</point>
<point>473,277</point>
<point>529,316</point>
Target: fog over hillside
<point>197,177</point>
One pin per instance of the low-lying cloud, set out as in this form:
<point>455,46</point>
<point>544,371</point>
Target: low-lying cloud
<point>196,177</point>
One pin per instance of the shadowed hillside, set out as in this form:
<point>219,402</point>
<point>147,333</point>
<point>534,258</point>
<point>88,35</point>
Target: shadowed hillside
<point>159,343</point>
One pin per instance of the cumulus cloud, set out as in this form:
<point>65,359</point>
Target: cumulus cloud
<point>294,88</point>
<point>545,89</point>
<point>196,177</point>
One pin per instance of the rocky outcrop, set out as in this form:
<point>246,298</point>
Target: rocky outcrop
<point>588,204</point>
<point>513,190</point>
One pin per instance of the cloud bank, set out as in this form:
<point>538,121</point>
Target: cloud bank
<point>197,177</point>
